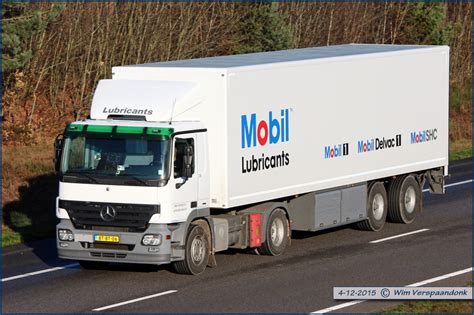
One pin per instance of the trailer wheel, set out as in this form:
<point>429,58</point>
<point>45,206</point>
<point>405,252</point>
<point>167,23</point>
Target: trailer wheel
<point>88,264</point>
<point>196,254</point>
<point>405,199</point>
<point>377,205</point>
<point>277,234</point>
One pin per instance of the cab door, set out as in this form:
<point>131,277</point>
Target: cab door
<point>184,178</point>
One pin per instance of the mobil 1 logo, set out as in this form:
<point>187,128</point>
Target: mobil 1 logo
<point>376,144</point>
<point>335,151</point>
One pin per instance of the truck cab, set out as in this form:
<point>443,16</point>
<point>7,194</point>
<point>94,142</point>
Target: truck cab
<point>125,186</point>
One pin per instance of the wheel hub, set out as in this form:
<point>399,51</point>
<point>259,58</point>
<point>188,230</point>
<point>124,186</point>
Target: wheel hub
<point>410,199</point>
<point>198,250</point>
<point>277,232</point>
<point>378,206</point>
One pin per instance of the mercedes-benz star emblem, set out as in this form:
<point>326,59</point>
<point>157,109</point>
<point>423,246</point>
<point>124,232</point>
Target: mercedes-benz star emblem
<point>108,213</point>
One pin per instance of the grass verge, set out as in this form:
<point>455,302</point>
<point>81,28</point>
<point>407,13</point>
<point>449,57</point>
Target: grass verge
<point>461,149</point>
<point>10,237</point>
<point>449,307</point>
<point>29,189</point>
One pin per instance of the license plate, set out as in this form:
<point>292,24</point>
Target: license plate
<point>107,238</point>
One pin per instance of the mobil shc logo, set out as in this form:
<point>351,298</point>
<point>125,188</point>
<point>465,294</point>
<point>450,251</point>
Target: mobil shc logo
<point>423,136</point>
<point>378,144</point>
<point>336,150</point>
<point>273,130</point>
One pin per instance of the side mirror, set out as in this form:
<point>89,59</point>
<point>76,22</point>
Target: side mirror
<point>58,150</point>
<point>188,162</point>
<point>187,165</point>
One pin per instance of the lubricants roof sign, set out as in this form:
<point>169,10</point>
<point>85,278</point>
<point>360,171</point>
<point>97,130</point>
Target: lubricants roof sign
<point>151,99</point>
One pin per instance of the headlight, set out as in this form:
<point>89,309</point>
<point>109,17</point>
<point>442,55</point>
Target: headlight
<point>65,235</point>
<point>151,239</point>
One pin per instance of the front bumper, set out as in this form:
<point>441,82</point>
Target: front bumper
<point>129,250</point>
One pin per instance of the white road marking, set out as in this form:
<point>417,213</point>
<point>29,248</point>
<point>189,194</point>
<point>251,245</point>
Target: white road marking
<point>29,274</point>
<point>397,236</point>
<point>453,184</point>
<point>449,275</point>
<point>418,284</point>
<point>337,307</point>
<point>134,300</point>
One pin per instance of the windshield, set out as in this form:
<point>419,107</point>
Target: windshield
<point>115,159</point>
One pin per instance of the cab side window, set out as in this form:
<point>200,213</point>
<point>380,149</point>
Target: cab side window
<point>179,156</point>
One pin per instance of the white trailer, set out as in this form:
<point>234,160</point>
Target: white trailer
<point>182,159</point>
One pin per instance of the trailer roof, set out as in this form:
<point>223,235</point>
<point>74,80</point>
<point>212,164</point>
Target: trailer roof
<point>283,56</point>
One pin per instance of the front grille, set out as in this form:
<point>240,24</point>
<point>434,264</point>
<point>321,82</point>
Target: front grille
<point>109,228</point>
<point>87,215</point>
<point>108,255</point>
<point>124,247</point>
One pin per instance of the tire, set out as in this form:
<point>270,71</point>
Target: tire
<point>277,234</point>
<point>196,254</point>
<point>91,265</point>
<point>377,205</point>
<point>405,199</point>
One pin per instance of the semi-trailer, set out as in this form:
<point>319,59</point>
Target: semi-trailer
<point>182,159</point>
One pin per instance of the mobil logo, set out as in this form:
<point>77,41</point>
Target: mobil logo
<point>336,150</point>
<point>365,146</point>
<point>378,144</point>
<point>274,129</point>
<point>423,136</point>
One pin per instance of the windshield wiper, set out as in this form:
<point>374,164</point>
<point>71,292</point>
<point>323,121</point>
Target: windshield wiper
<point>95,181</point>
<point>144,183</point>
<point>78,174</point>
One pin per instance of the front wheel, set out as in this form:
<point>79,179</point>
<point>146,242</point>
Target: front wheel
<point>196,255</point>
<point>277,234</point>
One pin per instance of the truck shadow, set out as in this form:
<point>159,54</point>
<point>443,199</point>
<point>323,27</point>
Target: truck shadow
<point>301,235</point>
<point>32,216</point>
<point>139,268</point>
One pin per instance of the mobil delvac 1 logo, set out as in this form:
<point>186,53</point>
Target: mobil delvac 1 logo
<point>274,130</point>
<point>375,144</point>
<point>423,136</point>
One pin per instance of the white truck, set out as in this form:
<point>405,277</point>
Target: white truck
<point>182,159</point>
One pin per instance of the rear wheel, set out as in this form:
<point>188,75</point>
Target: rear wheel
<point>405,199</point>
<point>376,208</point>
<point>277,234</point>
<point>196,253</point>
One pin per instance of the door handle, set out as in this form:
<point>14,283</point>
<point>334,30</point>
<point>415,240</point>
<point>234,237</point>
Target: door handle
<point>194,204</point>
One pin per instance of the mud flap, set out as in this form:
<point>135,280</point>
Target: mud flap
<point>212,260</point>
<point>421,181</point>
<point>436,180</point>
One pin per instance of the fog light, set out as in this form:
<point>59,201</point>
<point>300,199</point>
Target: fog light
<point>151,239</point>
<point>65,235</point>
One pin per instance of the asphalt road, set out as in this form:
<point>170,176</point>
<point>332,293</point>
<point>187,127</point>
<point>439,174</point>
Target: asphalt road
<point>301,280</point>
